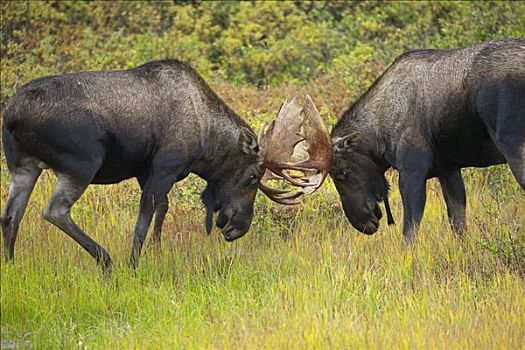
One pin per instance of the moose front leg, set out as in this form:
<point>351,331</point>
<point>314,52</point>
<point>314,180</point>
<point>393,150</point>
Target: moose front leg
<point>160,213</point>
<point>454,193</point>
<point>412,186</point>
<point>155,189</point>
<point>161,209</point>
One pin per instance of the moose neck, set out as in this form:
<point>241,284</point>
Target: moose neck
<point>376,116</point>
<point>218,145</point>
<point>216,140</point>
<point>372,139</point>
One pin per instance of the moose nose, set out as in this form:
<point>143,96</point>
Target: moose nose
<point>378,213</point>
<point>370,227</point>
<point>222,220</point>
<point>231,234</point>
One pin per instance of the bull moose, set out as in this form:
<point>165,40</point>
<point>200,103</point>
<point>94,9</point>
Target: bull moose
<point>431,113</point>
<point>156,123</point>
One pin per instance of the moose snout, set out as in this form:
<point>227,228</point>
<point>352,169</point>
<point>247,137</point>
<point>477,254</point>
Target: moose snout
<point>232,233</point>
<point>372,225</point>
<point>377,212</point>
<point>222,220</point>
<point>365,220</point>
<point>369,228</point>
<point>232,225</point>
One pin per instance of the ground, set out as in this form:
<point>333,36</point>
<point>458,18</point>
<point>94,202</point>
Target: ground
<point>301,278</point>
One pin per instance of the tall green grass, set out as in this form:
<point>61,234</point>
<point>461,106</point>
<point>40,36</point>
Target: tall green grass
<point>301,278</point>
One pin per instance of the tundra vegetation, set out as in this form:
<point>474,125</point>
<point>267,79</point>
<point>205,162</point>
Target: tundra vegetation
<point>301,277</point>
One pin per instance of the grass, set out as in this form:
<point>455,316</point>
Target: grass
<point>301,278</point>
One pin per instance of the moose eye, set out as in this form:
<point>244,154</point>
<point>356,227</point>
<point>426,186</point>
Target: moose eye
<point>252,180</point>
<point>342,175</point>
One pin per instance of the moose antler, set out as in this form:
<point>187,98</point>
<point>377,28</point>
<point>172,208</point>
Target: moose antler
<point>297,149</point>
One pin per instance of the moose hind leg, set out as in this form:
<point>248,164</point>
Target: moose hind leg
<point>21,184</point>
<point>58,212</point>
<point>453,189</point>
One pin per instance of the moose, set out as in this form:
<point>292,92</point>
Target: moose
<point>431,113</point>
<point>156,123</point>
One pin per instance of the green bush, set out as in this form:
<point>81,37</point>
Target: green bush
<point>246,43</point>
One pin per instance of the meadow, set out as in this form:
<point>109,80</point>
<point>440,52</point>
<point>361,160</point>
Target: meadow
<point>302,277</point>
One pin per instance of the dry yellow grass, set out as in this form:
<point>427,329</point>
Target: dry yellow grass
<point>301,278</point>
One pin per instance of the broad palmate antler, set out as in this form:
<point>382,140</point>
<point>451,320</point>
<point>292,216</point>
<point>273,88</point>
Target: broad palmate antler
<point>297,149</point>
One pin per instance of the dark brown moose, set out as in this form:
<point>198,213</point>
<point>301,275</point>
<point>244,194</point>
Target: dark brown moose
<point>431,113</point>
<point>156,123</point>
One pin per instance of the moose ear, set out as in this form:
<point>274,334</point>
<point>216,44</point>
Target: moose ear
<point>248,142</point>
<point>345,143</point>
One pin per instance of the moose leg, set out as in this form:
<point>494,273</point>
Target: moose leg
<point>155,191</point>
<point>507,129</point>
<point>161,210</point>
<point>454,193</point>
<point>21,184</point>
<point>412,186</point>
<point>58,212</point>
<point>514,153</point>
<point>517,166</point>
<point>160,213</point>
